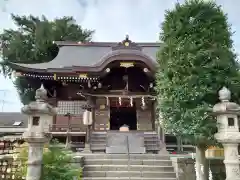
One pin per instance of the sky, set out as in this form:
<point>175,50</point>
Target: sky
<point>111,20</point>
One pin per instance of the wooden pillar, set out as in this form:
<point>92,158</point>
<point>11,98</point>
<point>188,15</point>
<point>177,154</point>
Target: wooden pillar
<point>160,127</point>
<point>93,112</point>
<point>68,138</point>
<point>53,102</point>
<point>52,127</point>
<point>153,115</point>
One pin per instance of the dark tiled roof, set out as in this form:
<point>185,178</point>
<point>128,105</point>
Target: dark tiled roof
<point>90,55</point>
<point>9,118</point>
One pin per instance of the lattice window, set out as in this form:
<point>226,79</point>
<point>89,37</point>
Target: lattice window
<point>72,107</point>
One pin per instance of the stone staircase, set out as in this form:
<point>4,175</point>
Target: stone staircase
<point>123,167</point>
<point>98,141</point>
<point>151,140</point>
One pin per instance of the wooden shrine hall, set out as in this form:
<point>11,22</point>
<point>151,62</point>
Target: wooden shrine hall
<point>114,82</point>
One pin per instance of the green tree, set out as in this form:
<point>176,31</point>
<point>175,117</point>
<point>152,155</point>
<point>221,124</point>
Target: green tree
<point>32,42</point>
<point>56,163</point>
<point>196,60</point>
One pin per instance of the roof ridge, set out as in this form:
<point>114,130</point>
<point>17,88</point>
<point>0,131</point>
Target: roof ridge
<point>103,44</point>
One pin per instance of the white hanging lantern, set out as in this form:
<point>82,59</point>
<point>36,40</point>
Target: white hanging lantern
<point>131,101</point>
<point>87,117</point>
<point>89,84</point>
<point>143,102</point>
<point>107,101</point>
<point>120,101</point>
<point>90,118</point>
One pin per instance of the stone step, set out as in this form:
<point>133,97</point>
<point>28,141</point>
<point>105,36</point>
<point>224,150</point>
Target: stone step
<point>99,135</point>
<point>146,174</point>
<point>103,143</point>
<point>99,132</point>
<point>126,156</point>
<point>152,142</point>
<point>151,139</point>
<point>150,135</point>
<point>101,146</point>
<point>99,143</point>
<point>128,168</point>
<point>127,178</point>
<point>98,139</point>
<point>165,163</point>
<point>152,148</point>
<point>98,148</point>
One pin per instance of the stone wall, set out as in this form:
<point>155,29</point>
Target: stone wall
<point>185,169</point>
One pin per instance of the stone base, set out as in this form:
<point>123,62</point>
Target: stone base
<point>163,151</point>
<point>87,149</point>
<point>124,150</point>
<point>116,150</point>
<point>125,142</point>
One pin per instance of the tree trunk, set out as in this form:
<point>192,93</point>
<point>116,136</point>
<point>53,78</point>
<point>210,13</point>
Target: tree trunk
<point>202,168</point>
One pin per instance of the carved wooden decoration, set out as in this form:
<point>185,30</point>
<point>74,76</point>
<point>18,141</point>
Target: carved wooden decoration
<point>127,44</point>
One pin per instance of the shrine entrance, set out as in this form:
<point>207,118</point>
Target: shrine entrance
<point>120,116</point>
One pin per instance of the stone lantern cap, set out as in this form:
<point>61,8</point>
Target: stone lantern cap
<point>39,106</point>
<point>225,106</point>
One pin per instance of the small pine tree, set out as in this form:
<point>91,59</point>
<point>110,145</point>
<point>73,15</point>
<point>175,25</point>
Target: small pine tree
<point>196,60</point>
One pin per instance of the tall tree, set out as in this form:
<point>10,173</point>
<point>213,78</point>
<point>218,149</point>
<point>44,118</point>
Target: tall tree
<point>196,60</point>
<point>32,42</point>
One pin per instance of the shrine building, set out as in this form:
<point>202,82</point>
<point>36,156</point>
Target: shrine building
<point>114,81</point>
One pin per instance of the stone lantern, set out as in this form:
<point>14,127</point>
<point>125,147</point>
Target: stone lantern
<point>40,115</point>
<point>228,132</point>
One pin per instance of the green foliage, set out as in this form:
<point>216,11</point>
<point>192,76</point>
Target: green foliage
<point>56,163</point>
<point>32,42</point>
<point>196,60</point>
<point>26,89</point>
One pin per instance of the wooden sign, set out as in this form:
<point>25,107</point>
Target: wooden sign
<point>127,64</point>
<point>83,75</point>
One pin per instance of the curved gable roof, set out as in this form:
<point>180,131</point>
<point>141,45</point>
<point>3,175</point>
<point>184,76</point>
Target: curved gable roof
<point>90,55</point>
